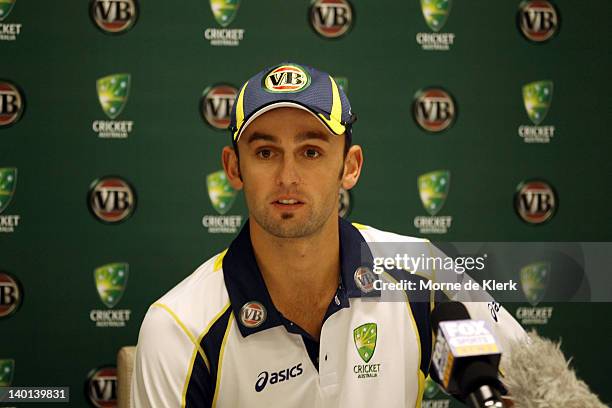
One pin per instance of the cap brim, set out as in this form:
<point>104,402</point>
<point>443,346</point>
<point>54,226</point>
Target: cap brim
<point>284,104</point>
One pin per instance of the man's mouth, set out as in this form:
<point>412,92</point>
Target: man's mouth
<point>287,203</point>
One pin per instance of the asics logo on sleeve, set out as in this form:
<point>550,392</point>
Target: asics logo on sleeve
<point>277,377</point>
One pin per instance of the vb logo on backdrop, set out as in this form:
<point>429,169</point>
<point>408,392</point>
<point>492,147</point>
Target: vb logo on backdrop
<point>538,20</point>
<point>11,294</point>
<point>111,199</point>
<point>114,16</point>
<point>216,105</point>
<point>535,201</point>
<point>12,103</point>
<point>331,18</point>
<point>434,109</point>
<point>101,387</point>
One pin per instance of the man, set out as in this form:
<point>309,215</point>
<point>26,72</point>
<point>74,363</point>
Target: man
<point>287,315</point>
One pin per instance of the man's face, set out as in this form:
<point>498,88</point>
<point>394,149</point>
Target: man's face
<point>291,167</point>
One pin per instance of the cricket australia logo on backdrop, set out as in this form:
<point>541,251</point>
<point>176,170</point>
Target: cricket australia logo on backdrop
<point>216,105</point>
<point>12,103</point>
<point>8,31</point>
<point>8,184</point>
<point>430,391</point>
<point>101,387</point>
<point>538,20</point>
<point>433,190</point>
<point>537,98</point>
<point>535,279</point>
<point>222,196</point>
<point>435,13</point>
<point>111,282</point>
<point>5,8</point>
<point>331,18</point>
<point>113,16</point>
<point>224,12</point>
<point>7,371</point>
<point>113,91</point>
<point>220,192</point>
<point>365,337</point>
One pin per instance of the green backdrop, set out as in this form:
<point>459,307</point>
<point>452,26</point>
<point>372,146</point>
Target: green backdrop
<point>59,54</point>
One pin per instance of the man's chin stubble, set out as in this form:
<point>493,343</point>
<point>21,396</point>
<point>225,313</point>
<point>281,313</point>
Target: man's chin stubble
<point>288,227</point>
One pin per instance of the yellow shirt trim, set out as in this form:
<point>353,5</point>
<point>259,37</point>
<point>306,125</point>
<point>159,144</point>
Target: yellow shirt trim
<point>219,261</point>
<point>196,342</point>
<point>360,226</point>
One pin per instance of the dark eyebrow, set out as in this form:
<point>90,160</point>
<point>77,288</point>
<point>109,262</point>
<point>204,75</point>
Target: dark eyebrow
<point>261,136</point>
<point>300,137</point>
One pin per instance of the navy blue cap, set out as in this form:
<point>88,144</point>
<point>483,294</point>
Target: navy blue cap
<point>292,85</point>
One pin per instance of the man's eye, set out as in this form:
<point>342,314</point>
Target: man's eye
<point>264,154</point>
<point>312,153</point>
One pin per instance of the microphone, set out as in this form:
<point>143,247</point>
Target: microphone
<point>466,357</point>
<point>538,374</point>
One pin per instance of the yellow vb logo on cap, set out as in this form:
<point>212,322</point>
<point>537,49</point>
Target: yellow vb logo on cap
<point>286,79</point>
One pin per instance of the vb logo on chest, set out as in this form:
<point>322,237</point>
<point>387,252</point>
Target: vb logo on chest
<point>253,314</point>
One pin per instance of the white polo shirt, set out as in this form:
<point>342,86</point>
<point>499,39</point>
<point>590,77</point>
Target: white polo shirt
<point>216,339</point>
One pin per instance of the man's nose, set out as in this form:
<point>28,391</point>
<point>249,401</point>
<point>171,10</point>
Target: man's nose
<point>288,173</point>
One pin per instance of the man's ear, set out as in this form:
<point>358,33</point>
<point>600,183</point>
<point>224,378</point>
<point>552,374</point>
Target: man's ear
<point>352,167</point>
<point>231,167</point>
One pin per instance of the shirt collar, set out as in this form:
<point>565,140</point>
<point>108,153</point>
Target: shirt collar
<point>247,289</point>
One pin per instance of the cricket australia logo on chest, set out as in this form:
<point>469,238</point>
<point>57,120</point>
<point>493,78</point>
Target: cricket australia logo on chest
<point>365,337</point>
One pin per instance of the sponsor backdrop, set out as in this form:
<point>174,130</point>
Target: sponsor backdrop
<point>479,123</point>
